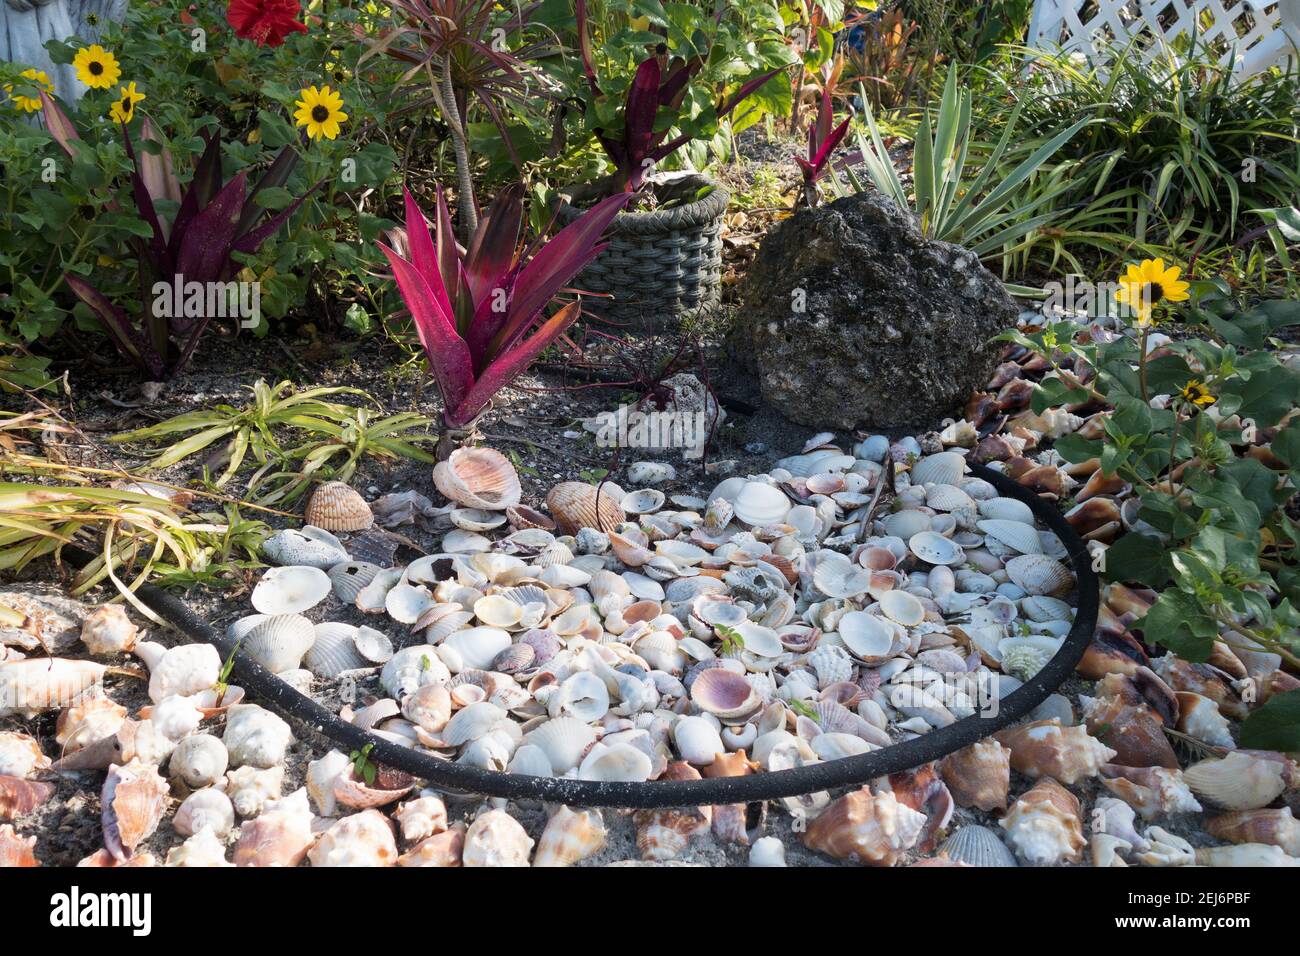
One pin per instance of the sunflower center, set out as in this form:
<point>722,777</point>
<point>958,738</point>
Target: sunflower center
<point>95,67</point>
<point>320,114</point>
<point>1152,292</point>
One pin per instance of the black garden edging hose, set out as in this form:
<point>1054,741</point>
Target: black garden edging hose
<point>279,696</point>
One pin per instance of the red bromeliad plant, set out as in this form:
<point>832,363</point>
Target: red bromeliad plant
<point>658,84</point>
<point>213,221</point>
<point>822,141</point>
<point>474,308</point>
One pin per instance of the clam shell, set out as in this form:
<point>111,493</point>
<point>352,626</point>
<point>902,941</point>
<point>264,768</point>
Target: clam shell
<point>496,610</point>
<point>373,645</point>
<point>905,524</point>
<point>945,468</point>
<point>643,501</point>
<point>280,642</point>
<point>902,608</point>
<point>334,650</point>
<point>405,602</point>
<point>349,577</point>
<point>478,646</point>
<point>1017,535</point>
<point>574,506</point>
<point>564,740</point>
<point>291,589</point>
<point>867,637</point>
<point>335,506</point>
<point>933,548</point>
<point>977,846</point>
<point>1040,575</point>
<point>759,504</point>
<point>476,519</point>
<point>838,577</point>
<point>1007,509</point>
<point>522,517</point>
<point>620,763</point>
<point>310,546</point>
<point>478,478</point>
<point>725,694</point>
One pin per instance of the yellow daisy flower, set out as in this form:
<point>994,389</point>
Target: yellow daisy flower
<point>30,104</point>
<point>123,109</point>
<point>321,112</point>
<point>96,67</point>
<point>1195,393</point>
<point>1148,283</point>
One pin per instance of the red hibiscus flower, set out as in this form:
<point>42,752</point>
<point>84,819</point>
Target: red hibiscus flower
<point>265,22</point>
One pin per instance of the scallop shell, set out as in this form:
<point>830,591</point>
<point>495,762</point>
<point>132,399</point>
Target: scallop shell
<point>902,608</point>
<point>349,577</point>
<point>1040,575</point>
<point>522,517</point>
<point>134,800</point>
<point>280,642</point>
<point>334,650</point>
<point>290,590</point>
<point>977,846</point>
<point>1007,509</point>
<point>1043,825</point>
<point>868,637</point>
<point>574,506</point>
<point>759,504</point>
<point>478,478</point>
<point>620,763</point>
<point>570,836</point>
<point>311,546</point>
<point>1020,537</point>
<point>865,828</point>
<point>838,577</point>
<point>944,468</point>
<point>933,548</point>
<point>564,740</point>
<point>335,506</point>
<point>1243,780</point>
<point>725,694</point>
<point>905,524</point>
<point>478,646</point>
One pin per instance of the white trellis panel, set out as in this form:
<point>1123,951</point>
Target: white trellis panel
<point>1258,33</point>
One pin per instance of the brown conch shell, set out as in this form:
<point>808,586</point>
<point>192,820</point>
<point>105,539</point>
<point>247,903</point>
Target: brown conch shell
<point>663,834</point>
<point>574,506</point>
<point>21,755</point>
<point>133,802</point>
<point>336,506</point>
<point>16,851</point>
<point>1152,791</point>
<point>979,775</point>
<point>866,828</point>
<point>1134,732</point>
<point>570,837</point>
<point>1043,825</point>
<point>1273,827</point>
<point>922,789</point>
<point>731,821</point>
<point>441,849</point>
<point>279,836</point>
<point>108,630</point>
<point>1046,749</point>
<point>19,796</point>
<point>478,478</point>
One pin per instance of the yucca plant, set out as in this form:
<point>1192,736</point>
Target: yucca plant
<point>823,138</point>
<point>480,312</point>
<point>989,212</point>
<point>214,221</point>
<point>659,84</point>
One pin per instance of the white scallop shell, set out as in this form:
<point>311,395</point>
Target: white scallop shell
<point>945,468</point>
<point>564,741</point>
<point>349,577</point>
<point>1040,575</point>
<point>279,642</point>
<point>759,504</point>
<point>1007,509</point>
<point>478,646</point>
<point>290,590</point>
<point>334,650</point>
<point>933,548</point>
<point>618,763</point>
<point>1020,537</point>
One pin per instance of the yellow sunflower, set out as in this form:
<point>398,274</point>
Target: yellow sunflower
<point>1148,283</point>
<point>320,111</point>
<point>96,67</point>
<point>123,108</point>
<point>1195,393</point>
<point>30,104</point>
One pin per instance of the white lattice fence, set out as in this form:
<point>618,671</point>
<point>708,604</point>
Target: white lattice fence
<point>1257,32</point>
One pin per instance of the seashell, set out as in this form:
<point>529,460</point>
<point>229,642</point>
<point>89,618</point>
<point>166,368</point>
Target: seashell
<point>309,546</point>
<point>441,849</point>
<point>905,524</point>
<point>574,506</point>
<point>564,741</point>
<point>833,746</point>
<point>838,577</point>
<point>102,859</point>
<point>255,737</point>
<point>203,849</point>
<point>1020,537</point>
<point>902,608</point>
<point>1043,826</point>
<point>1200,717</point>
<point>19,797</point>
<point>979,776</point>
<point>32,686</point>
<point>496,839</point>
<point>1040,608</point>
<point>582,695</point>
<point>349,577</point>
<point>206,809</point>
<point>1046,749</point>
<point>362,839</point>
<point>20,755</point>
<point>1242,780</point>
<point>726,695</point>
<point>663,834</point>
<point>389,786</point>
<point>16,851</point>
<point>411,668</point>
<point>644,501</point>
<point>334,650</point>
<point>1024,657</point>
<point>1152,791</point>
<point>476,519</point>
<point>478,646</point>
<point>89,719</point>
<point>948,498</point>
<point>1040,575</point>
<point>280,642</point>
<point>977,846</point>
<point>1272,827</point>
<point>767,852</point>
<point>250,789</point>
<point>867,637</point>
<point>649,473</point>
<point>1245,854</point>
<point>933,548</point>
<point>1007,509</point>
<point>406,602</point>
<point>280,836</point>
<point>865,828</point>
<point>1135,732</point>
<point>421,818</point>
<point>184,670</point>
<point>335,506</point>
<point>46,622</point>
<point>372,599</point>
<point>698,742</point>
<point>621,763</point>
<point>759,504</point>
<point>1165,849</point>
<point>497,611</point>
<point>470,723</point>
<point>478,478</point>
<point>944,468</point>
<point>107,630</point>
<point>321,776</point>
<point>133,801</point>
<point>522,517</point>
<point>198,761</point>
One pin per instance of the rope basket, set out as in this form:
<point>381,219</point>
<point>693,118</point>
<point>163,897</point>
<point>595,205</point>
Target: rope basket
<point>659,266</point>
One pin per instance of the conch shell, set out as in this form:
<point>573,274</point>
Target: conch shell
<point>496,839</point>
<point>570,837</point>
<point>1043,826</point>
<point>362,839</point>
<point>1273,827</point>
<point>280,836</point>
<point>133,801</point>
<point>16,851</point>
<point>441,849</point>
<point>862,827</point>
<point>979,775</point>
<point>1046,749</point>
<point>1151,791</point>
<point>108,630</point>
<point>34,685</point>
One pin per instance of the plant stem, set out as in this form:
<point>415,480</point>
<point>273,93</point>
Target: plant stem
<point>1142,363</point>
<point>467,211</point>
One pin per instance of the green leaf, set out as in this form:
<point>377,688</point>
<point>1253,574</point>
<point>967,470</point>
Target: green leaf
<point>1176,621</point>
<point>1275,726</point>
<point>1139,559</point>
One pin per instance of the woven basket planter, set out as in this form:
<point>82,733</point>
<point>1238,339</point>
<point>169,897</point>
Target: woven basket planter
<point>659,266</point>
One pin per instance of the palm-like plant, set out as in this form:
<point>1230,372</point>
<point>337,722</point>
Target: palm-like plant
<point>480,311</point>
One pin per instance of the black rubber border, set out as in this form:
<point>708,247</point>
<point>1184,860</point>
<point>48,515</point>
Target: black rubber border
<point>849,771</point>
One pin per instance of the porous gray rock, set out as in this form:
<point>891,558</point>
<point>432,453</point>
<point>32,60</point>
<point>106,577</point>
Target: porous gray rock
<point>852,318</point>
